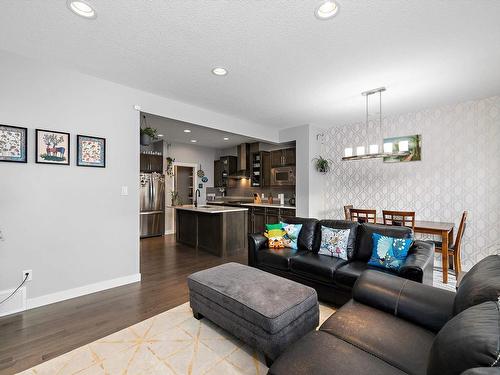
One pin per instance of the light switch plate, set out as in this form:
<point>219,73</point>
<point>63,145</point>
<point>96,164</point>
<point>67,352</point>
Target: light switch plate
<point>124,190</point>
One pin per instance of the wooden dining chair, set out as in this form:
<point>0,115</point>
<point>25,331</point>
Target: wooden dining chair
<point>347,211</point>
<point>363,216</point>
<point>454,249</point>
<point>401,218</point>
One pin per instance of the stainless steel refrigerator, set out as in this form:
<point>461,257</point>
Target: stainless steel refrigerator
<point>152,215</point>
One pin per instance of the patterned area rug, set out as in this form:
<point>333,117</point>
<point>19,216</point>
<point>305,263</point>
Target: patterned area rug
<point>172,342</point>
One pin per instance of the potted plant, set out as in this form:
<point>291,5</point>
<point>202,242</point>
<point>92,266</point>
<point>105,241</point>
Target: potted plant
<point>176,200</point>
<point>148,135</point>
<point>322,165</point>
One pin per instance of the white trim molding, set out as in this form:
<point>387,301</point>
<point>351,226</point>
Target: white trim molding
<point>81,291</point>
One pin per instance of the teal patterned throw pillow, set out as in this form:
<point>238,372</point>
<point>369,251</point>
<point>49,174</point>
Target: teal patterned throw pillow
<point>389,252</point>
<point>291,237</point>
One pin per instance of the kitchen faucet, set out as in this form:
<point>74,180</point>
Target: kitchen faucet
<point>196,195</point>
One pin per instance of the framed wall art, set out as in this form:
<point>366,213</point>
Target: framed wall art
<point>13,144</point>
<point>52,147</point>
<point>91,151</point>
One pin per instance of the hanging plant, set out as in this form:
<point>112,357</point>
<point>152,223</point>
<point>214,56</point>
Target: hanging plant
<point>322,165</point>
<point>148,134</point>
<point>170,166</point>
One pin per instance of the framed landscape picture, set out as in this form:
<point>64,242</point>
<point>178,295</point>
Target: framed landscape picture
<point>52,147</point>
<point>91,151</point>
<point>13,144</point>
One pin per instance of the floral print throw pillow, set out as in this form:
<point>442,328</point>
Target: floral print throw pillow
<point>334,242</point>
<point>389,252</point>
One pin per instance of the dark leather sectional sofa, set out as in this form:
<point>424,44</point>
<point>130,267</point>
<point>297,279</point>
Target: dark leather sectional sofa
<point>394,326</point>
<point>334,278</point>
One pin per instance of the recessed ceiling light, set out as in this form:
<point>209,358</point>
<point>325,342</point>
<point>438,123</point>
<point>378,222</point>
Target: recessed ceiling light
<point>219,71</point>
<point>226,138</point>
<point>81,8</point>
<point>327,9</point>
<point>160,135</point>
<point>187,131</point>
<point>194,140</point>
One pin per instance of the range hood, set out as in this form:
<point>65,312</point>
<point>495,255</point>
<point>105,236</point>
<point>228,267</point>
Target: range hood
<point>243,162</point>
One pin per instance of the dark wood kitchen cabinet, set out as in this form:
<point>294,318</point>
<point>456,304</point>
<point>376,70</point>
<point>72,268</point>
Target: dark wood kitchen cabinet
<point>217,173</point>
<point>223,168</point>
<point>260,171</point>
<point>258,217</point>
<point>283,157</point>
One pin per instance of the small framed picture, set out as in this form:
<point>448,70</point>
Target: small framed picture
<point>91,151</point>
<point>52,147</point>
<point>13,144</point>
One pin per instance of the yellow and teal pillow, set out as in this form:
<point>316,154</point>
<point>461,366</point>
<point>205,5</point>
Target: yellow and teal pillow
<point>389,252</point>
<point>275,236</point>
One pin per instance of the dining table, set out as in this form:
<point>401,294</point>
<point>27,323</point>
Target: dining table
<point>436,228</point>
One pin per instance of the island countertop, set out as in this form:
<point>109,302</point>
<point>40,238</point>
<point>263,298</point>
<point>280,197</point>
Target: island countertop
<point>210,209</point>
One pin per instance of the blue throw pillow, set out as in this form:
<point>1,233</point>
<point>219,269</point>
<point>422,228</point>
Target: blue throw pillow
<point>389,252</point>
<point>291,237</point>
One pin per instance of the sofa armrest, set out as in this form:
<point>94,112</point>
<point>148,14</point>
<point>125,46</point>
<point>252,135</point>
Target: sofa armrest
<point>256,242</point>
<point>419,263</point>
<point>421,304</point>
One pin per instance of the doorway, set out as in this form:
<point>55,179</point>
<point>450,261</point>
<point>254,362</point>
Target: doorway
<point>180,190</point>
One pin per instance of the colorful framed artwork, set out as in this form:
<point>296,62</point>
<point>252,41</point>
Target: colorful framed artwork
<point>404,149</point>
<point>91,151</point>
<point>13,144</point>
<point>52,147</point>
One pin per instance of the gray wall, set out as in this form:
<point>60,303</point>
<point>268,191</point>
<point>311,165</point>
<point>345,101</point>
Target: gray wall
<point>69,224</point>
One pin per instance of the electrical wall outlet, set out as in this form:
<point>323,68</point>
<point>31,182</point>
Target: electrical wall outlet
<point>30,275</point>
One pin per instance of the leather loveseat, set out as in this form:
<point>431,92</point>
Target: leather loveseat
<point>396,326</point>
<point>334,278</point>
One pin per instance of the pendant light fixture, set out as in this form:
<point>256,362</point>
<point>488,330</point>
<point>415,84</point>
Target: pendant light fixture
<point>373,150</point>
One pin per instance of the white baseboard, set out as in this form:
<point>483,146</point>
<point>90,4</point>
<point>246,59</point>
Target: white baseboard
<point>81,291</point>
<point>14,304</point>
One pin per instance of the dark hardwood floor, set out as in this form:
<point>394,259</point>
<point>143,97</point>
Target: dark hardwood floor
<point>35,336</point>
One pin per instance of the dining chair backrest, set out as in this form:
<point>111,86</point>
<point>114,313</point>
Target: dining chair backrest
<point>363,215</point>
<point>460,234</point>
<point>347,211</point>
<point>401,218</point>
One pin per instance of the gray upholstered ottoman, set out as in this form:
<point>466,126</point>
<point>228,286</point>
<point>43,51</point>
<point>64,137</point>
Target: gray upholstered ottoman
<point>263,310</point>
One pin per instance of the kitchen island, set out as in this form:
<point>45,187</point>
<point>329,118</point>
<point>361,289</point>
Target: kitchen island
<point>219,230</point>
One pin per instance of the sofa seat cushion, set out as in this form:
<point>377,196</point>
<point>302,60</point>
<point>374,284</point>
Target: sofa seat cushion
<point>316,266</point>
<point>402,344</point>
<point>278,258</point>
<point>319,353</point>
<point>348,273</point>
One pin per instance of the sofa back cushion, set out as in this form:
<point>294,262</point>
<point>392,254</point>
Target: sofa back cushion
<point>470,339</point>
<point>480,284</point>
<point>341,224</point>
<point>308,234</point>
<point>364,242</point>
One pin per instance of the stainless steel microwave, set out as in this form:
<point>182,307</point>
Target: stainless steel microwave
<point>283,176</point>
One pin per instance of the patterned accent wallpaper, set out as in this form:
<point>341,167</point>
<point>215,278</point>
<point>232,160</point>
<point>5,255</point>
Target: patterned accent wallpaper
<point>460,170</point>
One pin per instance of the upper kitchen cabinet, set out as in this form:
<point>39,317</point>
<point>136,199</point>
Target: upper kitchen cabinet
<point>261,169</point>
<point>226,167</point>
<point>284,157</point>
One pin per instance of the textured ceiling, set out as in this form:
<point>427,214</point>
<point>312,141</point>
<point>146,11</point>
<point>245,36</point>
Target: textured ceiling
<point>286,68</point>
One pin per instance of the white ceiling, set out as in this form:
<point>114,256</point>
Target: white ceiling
<point>173,131</point>
<point>286,68</point>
